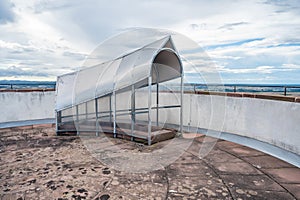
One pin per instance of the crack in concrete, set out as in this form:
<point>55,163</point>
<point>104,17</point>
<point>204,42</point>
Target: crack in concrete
<point>168,183</point>
<point>213,169</point>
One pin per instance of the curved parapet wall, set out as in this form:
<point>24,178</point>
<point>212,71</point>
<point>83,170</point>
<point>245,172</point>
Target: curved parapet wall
<point>268,125</point>
<point>26,107</point>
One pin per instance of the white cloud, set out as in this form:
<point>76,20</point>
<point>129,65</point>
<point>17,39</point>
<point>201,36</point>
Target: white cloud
<point>54,36</point>
<point>290,66</point>
<point>259,69</point>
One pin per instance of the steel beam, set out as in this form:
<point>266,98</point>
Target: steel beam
<point>149,109</point>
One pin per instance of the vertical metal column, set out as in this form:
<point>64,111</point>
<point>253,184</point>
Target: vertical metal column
<point>58,121</point>
<point>132,111</point>
<point>284,91</point>
<point>157,93</point>
<point>149,109</point>
<point>86,110</point>
<point>181,104</point>
<point>115,113</point>
<point>110,110</point>
<point>97,122</point>
<point>77,119</point>
<point>157,103</point>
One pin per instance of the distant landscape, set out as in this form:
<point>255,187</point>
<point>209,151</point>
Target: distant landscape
<point>20,84</point>
<point>291,89</point>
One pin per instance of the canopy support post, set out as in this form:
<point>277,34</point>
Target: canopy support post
<point>115,113</point>
<point>58,121</point>
<point>86,110</point>
<point>77,119</point>
<point>149,109</point>
<point>110,110</point>
<point>132,111</point>
<point>97,122</point>
<point>157,93</point>
<point>181,104</point>
<point>157,103</point>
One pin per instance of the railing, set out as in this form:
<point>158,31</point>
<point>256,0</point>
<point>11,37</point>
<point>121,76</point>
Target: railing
<point>247,88</point>
<point>13,86</point>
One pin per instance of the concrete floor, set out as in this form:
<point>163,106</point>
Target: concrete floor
<point>36,164</point>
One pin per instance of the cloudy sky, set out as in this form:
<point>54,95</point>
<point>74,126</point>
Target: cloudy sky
<point>255,41</point>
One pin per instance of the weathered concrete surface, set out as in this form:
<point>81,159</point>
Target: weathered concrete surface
<point>36,164</point>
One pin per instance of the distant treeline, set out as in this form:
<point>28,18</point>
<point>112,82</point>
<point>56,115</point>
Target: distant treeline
<point>19,84</point>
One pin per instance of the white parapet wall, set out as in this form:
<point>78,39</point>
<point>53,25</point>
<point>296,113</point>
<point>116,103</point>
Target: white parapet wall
<point>267,125</point>
<point>271,121</point>
<point>24,108</point>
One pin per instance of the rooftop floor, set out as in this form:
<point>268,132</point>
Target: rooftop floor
<point>36,164</point>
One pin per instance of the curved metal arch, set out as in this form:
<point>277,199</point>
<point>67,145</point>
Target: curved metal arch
<point>172,51</point>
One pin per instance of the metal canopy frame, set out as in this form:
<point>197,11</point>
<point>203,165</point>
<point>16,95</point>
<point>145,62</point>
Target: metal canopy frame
<point>74,111</point>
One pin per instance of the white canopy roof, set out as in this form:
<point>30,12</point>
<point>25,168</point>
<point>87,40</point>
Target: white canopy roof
<point>133,68</point>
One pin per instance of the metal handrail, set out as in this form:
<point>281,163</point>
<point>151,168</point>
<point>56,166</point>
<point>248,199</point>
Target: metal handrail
<point>206,87</point>
<point>235,87</point>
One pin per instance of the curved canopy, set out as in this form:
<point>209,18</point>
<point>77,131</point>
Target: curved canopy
<point>158,59</point>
